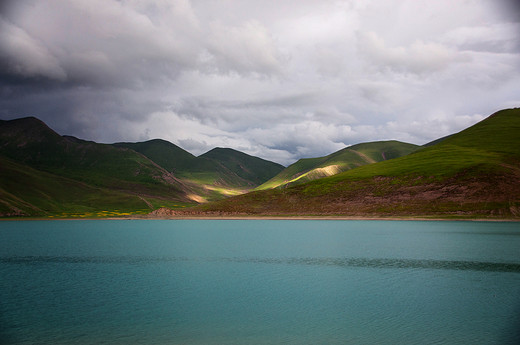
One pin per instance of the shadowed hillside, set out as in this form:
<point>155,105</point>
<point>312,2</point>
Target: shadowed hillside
<point>29,141</point>
<point>223,171</point>
<point>43,173</point>
<point>169,156</point>
<point>474,173</point>
<point>254,170</point>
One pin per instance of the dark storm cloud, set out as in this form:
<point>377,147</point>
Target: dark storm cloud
<point>510,9</point>
<point>95,43</point>
<point>269,78</point>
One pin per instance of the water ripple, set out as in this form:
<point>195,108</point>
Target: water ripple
<point>384,263</point>
<point>391,263</point>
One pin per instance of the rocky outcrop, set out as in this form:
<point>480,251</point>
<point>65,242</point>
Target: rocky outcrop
<point>165,212</point>
<point>162,212</point>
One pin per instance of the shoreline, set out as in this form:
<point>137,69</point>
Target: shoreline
<point>270,217</point>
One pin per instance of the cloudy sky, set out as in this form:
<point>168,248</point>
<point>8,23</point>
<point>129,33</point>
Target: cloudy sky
<point>277,79</point>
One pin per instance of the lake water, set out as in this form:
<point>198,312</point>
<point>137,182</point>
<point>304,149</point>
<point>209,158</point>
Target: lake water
<point>259,282</point>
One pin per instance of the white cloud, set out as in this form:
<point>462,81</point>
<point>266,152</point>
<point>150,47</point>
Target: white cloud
<point>245,49</point>
<point>25,55</point>
<point>436,126</point>
<point>109,42</point>
<point>418,58</point>
<point>497,38</point>
<point>267,77</point>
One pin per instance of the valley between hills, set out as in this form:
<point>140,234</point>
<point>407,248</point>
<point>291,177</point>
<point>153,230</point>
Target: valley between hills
<point>468,175</point>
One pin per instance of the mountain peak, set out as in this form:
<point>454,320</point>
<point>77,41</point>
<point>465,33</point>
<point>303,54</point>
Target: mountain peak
<point>221,150</point>
<point>29,121</point>
<point>20,130</point>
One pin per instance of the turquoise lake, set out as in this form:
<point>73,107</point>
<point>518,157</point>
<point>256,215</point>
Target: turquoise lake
<point>259,282</point>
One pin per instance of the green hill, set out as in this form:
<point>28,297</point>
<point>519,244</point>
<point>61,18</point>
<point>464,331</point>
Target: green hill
<point>474,173</point>
<point>252,170</point>
<point>43,173</point>
<point>29,141</point>
<point>221,171</point>
<point>309,169</point>
<point>169,156</point>
<point>25,191</point>
<point>34,155</point>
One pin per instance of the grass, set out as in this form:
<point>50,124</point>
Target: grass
<point>246,167</point>
<point>309,169</point>
<point>30,142</point>
<point>473,173</point>
<point>36,193</point>
<point>219,167</point>
<point>385,150</point>
<point>167,155</point>
<point>43,173</point>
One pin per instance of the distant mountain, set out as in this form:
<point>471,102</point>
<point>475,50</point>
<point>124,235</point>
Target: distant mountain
<point>29,141</point>
<point>220,169</point>
<point>34,155</point>
<point>43,173</point>
<point>474,173</point>
<point>309,169</point>
<point>169,156</point>
<point>248,168</point>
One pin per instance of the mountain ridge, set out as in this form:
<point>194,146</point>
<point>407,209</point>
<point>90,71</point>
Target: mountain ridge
<point>32,150</point>
<point>473,173</point>
<point>309,169</point>
<point>224,169</point>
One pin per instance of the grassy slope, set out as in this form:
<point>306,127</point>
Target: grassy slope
<point>309,169</point>
<point>473,173</point>
<point>44,173</point>
<point>29,141</point>
<point>254,170</point>
<point>197,173</point>
<point>26,191</point>
<point>88,169</point>
<point>167,155</point>
<point>222,172</point>
<point>384,150</point>
<point>483,148</point>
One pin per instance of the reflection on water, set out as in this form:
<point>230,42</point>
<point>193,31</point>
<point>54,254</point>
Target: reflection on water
<point>338,262</point>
